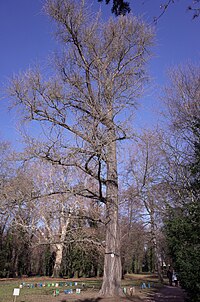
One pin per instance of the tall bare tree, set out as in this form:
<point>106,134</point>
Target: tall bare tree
<point>146,173</point>
<point>99,75</point>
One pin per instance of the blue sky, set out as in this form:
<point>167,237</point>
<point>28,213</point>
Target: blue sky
<point>26,37</point>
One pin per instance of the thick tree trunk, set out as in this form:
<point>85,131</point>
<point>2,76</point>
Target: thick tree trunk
<point>64,222</point>
<point>112,261</point>
<point>58,261</point>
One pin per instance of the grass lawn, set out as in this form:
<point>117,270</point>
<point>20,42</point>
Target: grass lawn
<point>34,291</point>
<point>7,287</point>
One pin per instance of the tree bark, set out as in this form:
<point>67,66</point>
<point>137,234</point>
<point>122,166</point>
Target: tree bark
<point>155,247</point>
<point>58,261</point>
<point>112,261</point>
<point>64,222</point>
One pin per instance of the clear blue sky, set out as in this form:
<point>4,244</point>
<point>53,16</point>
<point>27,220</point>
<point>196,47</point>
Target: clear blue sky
<point>26,37</point>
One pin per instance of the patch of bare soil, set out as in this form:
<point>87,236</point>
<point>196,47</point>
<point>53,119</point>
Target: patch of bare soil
<point>101,299</point>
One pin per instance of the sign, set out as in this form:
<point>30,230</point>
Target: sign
<point>78,291</point>
<point>16,292</point>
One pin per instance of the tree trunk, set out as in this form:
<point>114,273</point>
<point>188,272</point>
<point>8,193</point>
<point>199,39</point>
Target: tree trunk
<point>64,222</point>
<point>112,261</point>
<point>58,260</point>
<point>158,264</point>
<point>155,247</point>
<point>14,261</point>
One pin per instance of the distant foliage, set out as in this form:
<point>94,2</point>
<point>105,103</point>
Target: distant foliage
<point>120,7</point>
<point>182,230</point>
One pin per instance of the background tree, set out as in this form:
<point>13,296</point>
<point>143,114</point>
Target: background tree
<point>99,74</point>
<point>6,171</point>
<point>43,218</point>
<point>56,211</point>
<point>132,228</point>
<point>15,190</point>
<point>145,174</point>
<point>182,225</point>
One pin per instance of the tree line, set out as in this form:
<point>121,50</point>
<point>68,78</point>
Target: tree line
<point>88,195</point>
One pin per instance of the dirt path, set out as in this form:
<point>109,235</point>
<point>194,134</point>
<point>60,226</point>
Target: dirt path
<point>165,294</point>
<point>169,294</point>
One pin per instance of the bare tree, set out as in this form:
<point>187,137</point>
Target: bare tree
<point>182,146</point>
<point>182,96</point>
<point>99,75</point>
<point>182,99</point>
<point>146,179</point>
<point>55,210</point>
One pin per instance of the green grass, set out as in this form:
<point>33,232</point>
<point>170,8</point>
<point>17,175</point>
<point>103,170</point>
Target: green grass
<point>6,291</point>
<point>7,287</point>
<point>36,293</point>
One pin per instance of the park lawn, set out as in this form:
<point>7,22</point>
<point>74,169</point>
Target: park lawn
<point>89,288</point>
<point>35,294</point>
<point>6,292</point>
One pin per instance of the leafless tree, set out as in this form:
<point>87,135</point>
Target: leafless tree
<point>56,210</point>
<point>182,97</point>
<point>99,75</point>
<point>146,178</point>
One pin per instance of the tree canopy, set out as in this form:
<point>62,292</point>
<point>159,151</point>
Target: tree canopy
<point>121,7</point>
